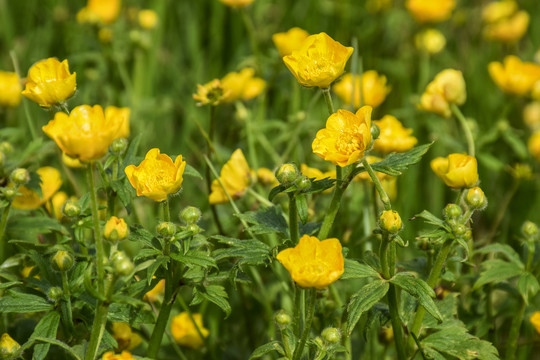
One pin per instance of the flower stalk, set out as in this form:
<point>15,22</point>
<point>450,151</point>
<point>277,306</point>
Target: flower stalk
<point>466,129</point>
<point>310,308</point>
<point>293,219</point>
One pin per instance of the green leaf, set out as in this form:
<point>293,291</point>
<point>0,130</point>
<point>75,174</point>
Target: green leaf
<point>144,253</point>
<point>267,348</point>
<point>496,271</point>
<point>266,220</point>
<point>195,258</point>
<point>356,270</point>
<point>320,185</point>
<point>212,293</point>
<point>505,250</point>
<point>431,219</point>
<point>249,252</point>
<point>130,314</point>
<point>191,171</point>
<point>528,286</point>
<point>131,152</point>
<point>160,261</point>
<point>139,234</point>
<point>516,143</point>
<point>395,163</point>
<point>17,302</point>
<point>302,207</point>
<point>363,300</point>
<point>277,190</point>
<point>419,289</point>
<point>30,225</point>
<point>123,189</point>
<point>46,328</point>
<point>9,284</point>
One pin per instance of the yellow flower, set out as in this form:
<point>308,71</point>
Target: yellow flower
<point>87,132</point>
<point>115,229</point>
<point>110,355</point>
<point>363,176</point>
<point>430,10</point>
<point>148,19</point>
<point>316,173</point>
<point>185,331</point>
<point>104,11</point>
<point>313,263</point>
<point>125,336</point>
<point>156,292</point>
<point>57,201</point>
<point>457,170</point>
<point>235,177</point>
<point>389,184</point>
<point>534,145</point>
<point>266,177</point>
<point>510,29</point>
<point>372,93</point>
<point>237,3</point>
<point>211,93</point>
<point>287,42</point>
<point>531,115</point>
<point>156,176</point>
<point>241,85</point>
<point>431,41</point>
<point>515,76</point>
<point>319,61</point>
<point>498,10</point>
<point>10,89</point>
<point>71,162</point>
<point>8,346</point>
<point>49,82</point>
<point>447,88</point>
<point>50,183</point>
<point>390,221</point>
<point>535,321</point>
<point>346,137</point>
<point>393,136</point>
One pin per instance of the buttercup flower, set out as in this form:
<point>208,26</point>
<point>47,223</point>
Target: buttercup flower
<point>156,176</point>
<point>510,29</point>
<point>237,3</point>
<point>125,336</point>
<point>115,229</point>
<point>531,115</point>
<point>104,11</point>
<point>430,10</point>
<point>316,173</point>
<point>498,10</point>
<point>49,82</point>
<point>156,292</point>
<point>211,93</point>
<point>58,201</point>
<point>535,321</point>
<point>8,346</point>
<point>241,85</point>
<point>393,136</point>
<point>87,132</point>
<point>515,76</point>
<point>313,263</point>
<point>457,170</point>
<point>534,145</point>
<point>10,89</point>
<point>390,221</point>
<point>346,137</point>
<point>372,93</point>
<point>235,177</point>
<point>448,87</point>
<point>319,61</point>
<point>110,355</point>
<point>185,332</point>
<point>430,40</point>
<point>50,183</point>
<point>266,177</point>
<point>287,42</point>
<point>148,19</point>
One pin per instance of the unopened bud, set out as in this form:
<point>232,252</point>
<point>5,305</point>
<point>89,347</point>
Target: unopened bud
<point>71,209</point>
<point>452,211</point>
<point>116,229</point>
<point>55,293</point>
<point>467,236</point>
<point>459,230</point>
<point>287,173</point>
<point>20,176</point>
<point>6,147</point>
<point>390,221</point>
<point>166,229</point>
<point>190,215</point>
<point>375,132</point>
<point>9,193</point>
<point>118,146</point>
<point>303,183</point>
<point>331,335</point>
<point>282,318</point>
<point>194,228</point>
<point>122,264</point>
<point>475,198</point>
<point>8,346</point>
<point>62,260</point>
<point>529,229</point>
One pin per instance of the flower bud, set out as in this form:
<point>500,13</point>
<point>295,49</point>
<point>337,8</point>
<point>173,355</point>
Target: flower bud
<point>331,335</point>
<point>71,209</point>
<point>194,228</point>
<point>115,229</point>
<point>452,211</point>
<point>390,221</point>
<point>6,147</point>
<point>190,215</point>
<point>441,292</point>
<point>62,260</point>
<point>467,236</point>
<point>165,228</point>
<point>55,293</point>
<point>529,229</point>
<point>319,342</point>
<point>287,173</point>
<point>20,176</point>
<point>122,264</point>
<point>303,183</point>
<point>386,335</point>
<point>459,229</point>
<point>9,193</point>
<point>118,146</point>
<point>375,132</point>
<point>423,243</point>
<point>475,198</point>
<point>8,346</point>
<point>282,318</point>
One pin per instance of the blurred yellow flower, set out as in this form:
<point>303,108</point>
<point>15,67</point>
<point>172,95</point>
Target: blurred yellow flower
<point>266,177</point>
<point>534,145</point>
<point>185,331</point>
<point>126,338</point>
<point>313,263</point>
<point>372,93</point>
<point>364,176</point>
<point>10,89</point>
<point>319,61</point>
<point>156,176</point>
<point>8,346</point>
<point>87,132</point>
<point>71,162</point>
<point>531,115</point>
<point>57,201</point>
<point>535,321</point>
<point>103,11</point>
<point>110,355</point>
<point>346,137</point>
<point>515,76</point>
<point>375,6</point>
<point>447,88</point>
<point>510,29</point>
<point>425,11</point>
<point>457,170</point>
<point>287,42</point>
<point>148,19</point>
<point>393,136</point>
<point>154,294</point>
<point>431,41</point>
<point>235,177</point>
<point>49,82</point>
<point>237,3</point>
<point>241,85</point>
<point>316,173</point>
<point>498,10</point>
<point>115,229</point>
<point>50,183</point>
<point>211,93</point>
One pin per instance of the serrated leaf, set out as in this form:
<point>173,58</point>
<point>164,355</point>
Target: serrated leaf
<point>320,185</point>
<point>505,250</point>
<point>356,270</point>
<point>378,315</point>
<point>267,348</point>
<point>419,289</point>
<point>130,314</point>
<point>131,151</point>
<point>496,271</point>
<point>123,189</point>
<point>213,293</point>
<point>430,219</point>
<point>191,171</point>
<point>528,286</point>
<point>45,328</point>
<point>249,251</point>
<point>363,300</point>
<point>195,258</point>
<point>139,234</point>
<point>17,302</point>
<point>144,253</point>
<point>33,225</point>
<point>302,207</point>
<point>266,220</point>
<point>395,163</point>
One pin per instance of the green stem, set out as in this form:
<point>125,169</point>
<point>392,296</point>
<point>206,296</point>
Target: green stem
<point>334,205</point>
<point>166,210</point>
<point>312,297</point>
<point>250,27</point>
<point>3,224</point>
<point>100,320</point>
<point>468,134</point>
<point>382,194</point>
<point>396,321</point>
<point>513,335</point>
<point>293,219</point>
<point>259,197</point>
<point>209,152</point>
<point>100,252</point>
<point>285,342</point>
<point>29,118</point>
<point>328,99</point>
<point>66,305</point>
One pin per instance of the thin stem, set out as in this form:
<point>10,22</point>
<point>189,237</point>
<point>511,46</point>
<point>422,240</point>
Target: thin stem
<point>312,297</point>
<point>100,320</point>
<point>3,224</point>
<point>259,197</point>
<point>29,118</point>
<point>66,304</point>
<point>100,252</point>
<point>293,219</point>
<point>468,133</point>
<point>334,205</point>
<point>513,335</point>
<point>328,99</point>
<point>382,194</point>
<point>166,210</point>
<point>209,152</point>
<point>396,321</point>
<point>250,27</point>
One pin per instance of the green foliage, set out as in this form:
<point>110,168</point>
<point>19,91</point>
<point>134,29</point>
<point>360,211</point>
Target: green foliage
<point>46,328</point>
<point>363,300</point>
<point>266,220</point>
<point>419,289</point>
<point>18,302</point>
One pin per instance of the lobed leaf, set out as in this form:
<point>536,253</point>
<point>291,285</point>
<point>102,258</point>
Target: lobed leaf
<point>267,348</point>
<point>419,289</point>
<point>496,271</point>
<point>45,328</point>
<point>364,300</point>
<point>17,302</point>
<point>356,270</point>
<point>266,220</point>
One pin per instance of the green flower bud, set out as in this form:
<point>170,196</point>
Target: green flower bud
<point>62,260</point>
<point>6,147</point>
<point>287,173</point>
<point>20,176</point>
<point>331,335</point>
<point>529,229</point>
<point>475,198</point>
<point>467,236</point>
<point>194,228</point>
<point>390,221</point>
<point>8,346</point>
<point>303,183</point>
<point>319,342</point>
<point>375,132</point>
<point>71,209</point>
<point>118,146</point>
<point>166,229</point>
<point>452,211</point>
<point>459,230</point>
<point>423,243</point>
<point>283,319</point>
<point>190,214</point>
<point>122,264</point>
<point>55,293</point>
<point>9,193</point>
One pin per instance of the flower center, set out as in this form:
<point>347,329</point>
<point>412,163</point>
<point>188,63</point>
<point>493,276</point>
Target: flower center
<point>349,141</point>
